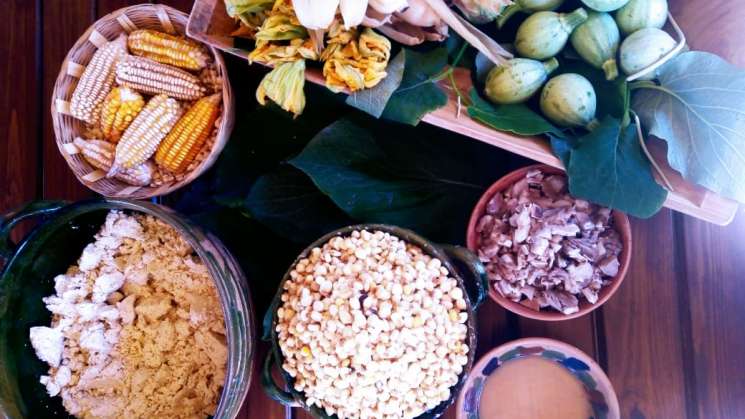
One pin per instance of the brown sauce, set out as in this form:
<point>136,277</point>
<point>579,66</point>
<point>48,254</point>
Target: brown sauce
<point>533,388</point>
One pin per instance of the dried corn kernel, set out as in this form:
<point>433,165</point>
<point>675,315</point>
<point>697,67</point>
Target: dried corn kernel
<point>183,143</point>
<point>168,49</point>
<point>153,78</point>
<point>143,136</point>
<point>119,110</point>
<point>96,81</point>
<point>100,154</point>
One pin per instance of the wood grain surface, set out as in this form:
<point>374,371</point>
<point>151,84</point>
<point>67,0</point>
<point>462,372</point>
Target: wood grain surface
<point>671,339</point>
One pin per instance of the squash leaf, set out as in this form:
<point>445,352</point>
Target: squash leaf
<point>608,167</point>
<point>699,110</point>
<point>374,101</point>
<point>286,201</point>
<point>418,93</point>
<point>404,178</point>
<point>518,119</point>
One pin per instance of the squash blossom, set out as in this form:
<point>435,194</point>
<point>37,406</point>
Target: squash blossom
<point>251,14</point>
<point>284,86</point>
<point>355,64</point>
<point>281,38</point>
<point>481,11</point>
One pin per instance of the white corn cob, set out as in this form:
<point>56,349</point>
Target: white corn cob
<point>100,154</point>
<point>97,80</point>
<point>151,77</point>
<point>145,133</point>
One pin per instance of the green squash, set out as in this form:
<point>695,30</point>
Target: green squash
<point>529,6</point>
<point>605,5</point>
<point>596,41</point>
<point>643,48</point>
<point>517,80</point>
<point>544,34</point>
<point>569,100</point>
<point>641,14</point>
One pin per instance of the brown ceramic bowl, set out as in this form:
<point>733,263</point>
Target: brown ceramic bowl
<point>620,222</point>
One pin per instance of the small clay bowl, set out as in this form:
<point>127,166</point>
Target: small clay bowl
<point>620,223</point>
<point>599,389</point>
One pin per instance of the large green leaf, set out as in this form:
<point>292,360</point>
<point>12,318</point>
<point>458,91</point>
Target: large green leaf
<point>374,100</point>
<point>401,180</point>
<point>418,93</point>
<point>518,118</point>
<point>699,109</point>
<point>290,204</point>
<point>608,167</point>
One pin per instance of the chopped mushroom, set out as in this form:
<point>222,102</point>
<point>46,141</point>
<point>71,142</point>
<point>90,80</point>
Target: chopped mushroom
<point>543,248</point>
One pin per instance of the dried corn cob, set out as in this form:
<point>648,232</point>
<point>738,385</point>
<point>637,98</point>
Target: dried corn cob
<point>168,49</point>
<point>141,139</point>
<point>100,154</point>
<point>152,77</point>
<point>96,81</point>
<point>183,143</point>
<point>119,110</point>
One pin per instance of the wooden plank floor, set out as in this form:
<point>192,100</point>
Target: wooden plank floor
<point>671,340</point>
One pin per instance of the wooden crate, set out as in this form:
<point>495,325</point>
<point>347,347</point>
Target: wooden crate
<point>210,23</point>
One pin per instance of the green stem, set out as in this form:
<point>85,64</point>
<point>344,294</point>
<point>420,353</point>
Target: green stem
<point>451,68</point>
<point>642,84</point>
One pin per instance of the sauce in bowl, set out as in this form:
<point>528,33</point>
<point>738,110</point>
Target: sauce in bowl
<point>533,388</point>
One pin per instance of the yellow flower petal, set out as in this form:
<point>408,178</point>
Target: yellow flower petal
<point>284,86</point>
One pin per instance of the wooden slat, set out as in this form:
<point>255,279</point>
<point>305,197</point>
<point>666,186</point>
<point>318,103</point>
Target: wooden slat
<point>19,119</point>
<point>64,22</point>
<point>579,332</point>
<point>257,404</point>
<point>104,7</point>
<point>715,273</point>
<point>644,337</point>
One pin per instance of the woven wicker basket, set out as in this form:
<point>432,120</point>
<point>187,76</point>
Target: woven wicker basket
<point>67,128</point>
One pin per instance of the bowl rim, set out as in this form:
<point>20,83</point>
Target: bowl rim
<point>597,372</point>
<point>409,236</point>
<point>621,225</point>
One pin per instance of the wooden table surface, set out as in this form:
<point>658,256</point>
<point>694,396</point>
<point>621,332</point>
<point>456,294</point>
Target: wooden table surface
<point>672,339</point>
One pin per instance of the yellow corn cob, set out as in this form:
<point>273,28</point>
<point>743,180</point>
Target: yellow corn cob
<point>96,81</point>
<point>168,49</point>
<point>152,77</point>
<point>141,139</point>
<point>119,110</point>
<point>100,154</point>
<point>183,143</point>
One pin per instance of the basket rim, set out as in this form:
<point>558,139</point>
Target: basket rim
<point>179,21</point>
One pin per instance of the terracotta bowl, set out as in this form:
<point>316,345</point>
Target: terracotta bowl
<point>599,389</point>
<point>620,222</point>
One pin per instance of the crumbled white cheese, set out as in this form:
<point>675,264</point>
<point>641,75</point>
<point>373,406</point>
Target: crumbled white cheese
<point>48,344</point>
<point>107,284</point>
<point>90,258</point>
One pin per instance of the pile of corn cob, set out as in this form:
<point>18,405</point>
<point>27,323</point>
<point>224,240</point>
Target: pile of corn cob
<point>151,103</point>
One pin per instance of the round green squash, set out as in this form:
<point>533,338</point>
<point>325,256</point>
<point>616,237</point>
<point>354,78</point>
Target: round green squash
<point>643,48</point>
<point>529,6</point>
<point>605,5</point>
<point>596,41</point>
<point>641,14</point>
<point>569,100</point>
<point>544,34</point>
<point>517,80</point>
